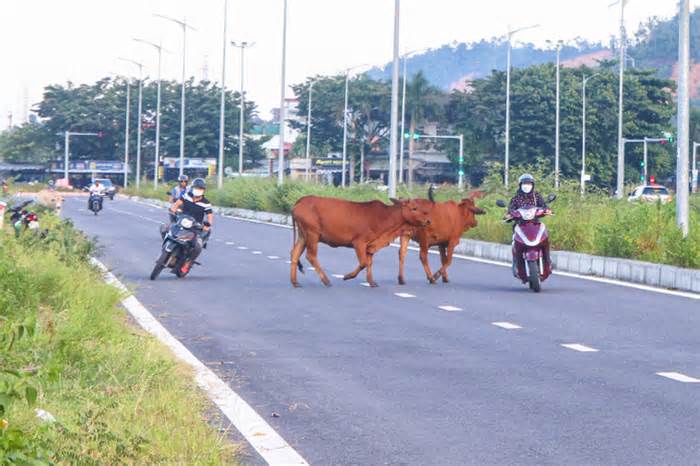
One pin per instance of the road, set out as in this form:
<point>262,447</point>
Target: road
<point>364,376</point>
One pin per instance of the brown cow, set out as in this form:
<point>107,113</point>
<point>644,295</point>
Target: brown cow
<point>449,220</point>
<point>365,226</point>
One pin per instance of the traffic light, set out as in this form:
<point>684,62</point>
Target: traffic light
<point>641,164</point>
<point>416,136</point>
<point>652,180</point>
<point>668,136</point>
<point>641,178</point>
<point>406,135</point>
<point>100,134</point>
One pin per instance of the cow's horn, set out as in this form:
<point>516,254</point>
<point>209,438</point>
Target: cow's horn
<point>431,192</point>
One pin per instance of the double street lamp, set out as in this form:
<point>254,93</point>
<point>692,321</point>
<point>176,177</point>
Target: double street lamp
<point>241,140</point>
<point>140,110</point>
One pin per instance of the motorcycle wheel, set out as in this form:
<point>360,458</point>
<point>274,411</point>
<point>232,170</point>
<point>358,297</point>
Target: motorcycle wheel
<point>160,265</point>
<point>534,278</point>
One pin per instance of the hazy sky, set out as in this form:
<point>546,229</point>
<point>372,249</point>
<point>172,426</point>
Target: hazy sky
<point>53,41</point>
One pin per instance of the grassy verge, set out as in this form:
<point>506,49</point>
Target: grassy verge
<point>117,395</point>
<point>595,224</point>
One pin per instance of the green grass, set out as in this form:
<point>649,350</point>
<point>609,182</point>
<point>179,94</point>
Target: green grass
<point>595,224</point>
<point>118,395</point>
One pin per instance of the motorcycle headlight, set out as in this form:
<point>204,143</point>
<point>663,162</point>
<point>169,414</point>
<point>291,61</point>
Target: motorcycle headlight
<point>186,223</point>
<point>528,214</point>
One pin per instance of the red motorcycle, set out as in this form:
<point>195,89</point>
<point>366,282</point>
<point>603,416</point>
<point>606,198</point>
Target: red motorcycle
<point>531,261</point>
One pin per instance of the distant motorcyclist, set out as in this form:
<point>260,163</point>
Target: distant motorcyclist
<point>194,204</point>
<point>179,189</point>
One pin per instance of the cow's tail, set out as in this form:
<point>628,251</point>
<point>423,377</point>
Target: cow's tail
<point>300,266</point>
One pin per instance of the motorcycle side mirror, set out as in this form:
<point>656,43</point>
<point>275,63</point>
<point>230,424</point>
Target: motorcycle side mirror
<point>501,203</point>
<point>551,197</point>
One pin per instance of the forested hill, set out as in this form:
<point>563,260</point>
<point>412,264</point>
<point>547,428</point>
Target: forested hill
<point>654,44</point>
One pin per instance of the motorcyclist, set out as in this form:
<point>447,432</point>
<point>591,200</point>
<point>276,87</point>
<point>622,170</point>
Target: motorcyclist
<point>194,204</point>
<point>96,189</point>
<point>526,196</point>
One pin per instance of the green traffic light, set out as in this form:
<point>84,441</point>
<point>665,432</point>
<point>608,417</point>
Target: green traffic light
<point>416,136</point>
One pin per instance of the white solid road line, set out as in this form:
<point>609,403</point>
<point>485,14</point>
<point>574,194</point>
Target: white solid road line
<point>261,436</point>
<point>506,325</point>
<point>678,377</point>
<point>580,347</point>
<point>404,295</point>
<point>450,308</point>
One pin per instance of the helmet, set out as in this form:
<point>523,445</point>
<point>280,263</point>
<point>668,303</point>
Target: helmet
<point>526,178</point>
<point>199,183</point>
<point>183,178</point>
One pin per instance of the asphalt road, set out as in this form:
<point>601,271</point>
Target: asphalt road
<point>363,376</point>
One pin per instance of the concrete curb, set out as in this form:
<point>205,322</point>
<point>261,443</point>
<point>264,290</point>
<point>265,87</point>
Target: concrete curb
<point>626,270</point>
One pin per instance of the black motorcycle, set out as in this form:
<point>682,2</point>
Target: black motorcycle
<point>178,245</point>
<point>95,202</point>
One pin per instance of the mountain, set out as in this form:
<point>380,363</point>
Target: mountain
<point>653,45</point>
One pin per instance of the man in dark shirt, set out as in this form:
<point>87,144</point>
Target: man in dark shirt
<point>194,204</point>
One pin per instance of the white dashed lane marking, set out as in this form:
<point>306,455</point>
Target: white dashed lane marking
<point>256,252</point>
<point>230,243</point>
<point>580,347</point>
<point>405,295</point>
<point>242,248</point>
<point>677,376</point>
<point>365,284</point>
<point>337,275</point>
<point>506,325</point>
<point>450,308</point>
<point>273,257</point>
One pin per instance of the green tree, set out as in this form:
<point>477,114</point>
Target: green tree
<point>421,105</point>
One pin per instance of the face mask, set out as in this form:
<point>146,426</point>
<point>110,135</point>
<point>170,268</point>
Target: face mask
<point>198,192</point>
<point>526,188</point>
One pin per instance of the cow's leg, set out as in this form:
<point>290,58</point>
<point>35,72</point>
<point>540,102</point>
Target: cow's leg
<point>312,257</point>
<point>297,251</point>
<point>403,249</point>
<point>370,277</point>
<point>361,251</point>
<point>424,247</point>
<point>443,261</point>
<point>447,262</point>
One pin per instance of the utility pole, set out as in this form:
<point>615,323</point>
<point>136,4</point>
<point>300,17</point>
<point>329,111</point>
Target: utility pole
<point>556,136</point>
<point>682,218</point>
<point>139,128</point>
<point>345,128</point>
<point>184,26</point>
<point>283,84</point>
<point>156,162</point>
<point>308,132</point>
<point>394,103</point>
<point>507,135</point>
<point>126,135</point>
<point>222,106</point>
<point>241,119</point>
<point>620,140</point>
<point>695,167</point>
<point>583,131</point>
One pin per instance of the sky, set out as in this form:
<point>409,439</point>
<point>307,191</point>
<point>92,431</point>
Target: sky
<point>54,41</point>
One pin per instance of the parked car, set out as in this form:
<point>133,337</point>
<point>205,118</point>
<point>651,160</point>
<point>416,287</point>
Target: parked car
<point>650,193</point>
<point>110,189</point>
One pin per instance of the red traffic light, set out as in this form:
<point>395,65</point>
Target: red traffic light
<point>664,141</point>
<point>652,180</point>
<point>100,134</point>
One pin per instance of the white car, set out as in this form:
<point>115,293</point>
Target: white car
<point>650,193</point>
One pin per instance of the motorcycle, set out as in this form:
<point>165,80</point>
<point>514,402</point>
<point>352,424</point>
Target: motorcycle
<point>95,202</point>
<point>531,262</point>
<point>22,218</point>
<point>178,245</point>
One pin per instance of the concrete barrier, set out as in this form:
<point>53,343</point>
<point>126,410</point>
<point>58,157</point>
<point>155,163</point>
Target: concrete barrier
<point>627,270</point>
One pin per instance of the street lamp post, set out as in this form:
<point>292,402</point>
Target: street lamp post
<point>126,134</point>
<point>583,131</point>
<point>222,106</point>
<point>695,167</point>
<point>283,86</point>
<point>308,131</point>
<point>138,130</point>
<point>507,135</point>
<point>620,140</point>
<point>184,26</point>
<point>394,103</point>
<point>403,118</point>
<point>556,135</point>
<point>241,119</point>
<point>345,128</point>
<point>683,112</point>
<point>156,158</point>
<point>66,147</point>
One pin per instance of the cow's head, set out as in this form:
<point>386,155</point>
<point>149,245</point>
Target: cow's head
<point>469,212</point>
<point>415,212</point>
